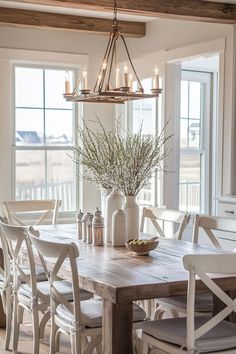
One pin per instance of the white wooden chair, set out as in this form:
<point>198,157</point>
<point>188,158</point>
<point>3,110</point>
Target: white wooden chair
<point>160,217</point>
<point>30,294</point>
<point>177,305</point>
<point>6,286</point>
<point>209,224</point>
<point>79,320</point>
<point>197,334</point>
<point>45,208</point>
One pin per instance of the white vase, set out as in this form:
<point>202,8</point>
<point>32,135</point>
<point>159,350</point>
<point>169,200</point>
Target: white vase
<point>118,228</point>
<point>114,201</point>
<point>131,209</point>
<point>104,193</point>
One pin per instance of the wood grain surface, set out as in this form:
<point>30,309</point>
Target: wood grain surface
<point>197,10</point>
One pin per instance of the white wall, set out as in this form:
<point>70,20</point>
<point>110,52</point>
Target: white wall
<point>162,36</point>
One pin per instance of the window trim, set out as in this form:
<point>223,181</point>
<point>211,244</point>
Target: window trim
<point>68,215</point>
<point>205,150</point>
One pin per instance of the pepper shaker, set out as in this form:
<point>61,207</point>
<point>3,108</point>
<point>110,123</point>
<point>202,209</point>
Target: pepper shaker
<point>89,229</point>
<point>84,222</point>
<point>79,224</point>
<point>98,228</point>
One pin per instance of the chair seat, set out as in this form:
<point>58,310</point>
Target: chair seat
<point>173,330</point>
<point>203,302</point>
<point>63,286</point>
<point>40,273</point>
<point>91,311</point>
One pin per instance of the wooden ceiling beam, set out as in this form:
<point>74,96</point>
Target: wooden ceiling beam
<point>180,9</point>
<point>29,18</point>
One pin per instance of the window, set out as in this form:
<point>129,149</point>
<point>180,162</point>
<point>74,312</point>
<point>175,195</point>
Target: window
<point>194,141</point>
<point>143,114</point>
<point>44,136</point>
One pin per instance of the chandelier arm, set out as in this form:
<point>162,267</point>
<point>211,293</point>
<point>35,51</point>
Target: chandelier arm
<point>107,59</point>
<point>136,75</point>
<point>111,62</point>
<point>104,59</point>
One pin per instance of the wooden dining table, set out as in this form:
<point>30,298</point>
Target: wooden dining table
<point>120,278</point>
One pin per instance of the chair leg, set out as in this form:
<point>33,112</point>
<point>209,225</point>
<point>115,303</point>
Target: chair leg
<point>159,313</point>
<point>8,324</point>
<point>35,322</point>
<point>57,341</point>
<point>43,324</point>
<point>16,325</point>
<point>54,337</point>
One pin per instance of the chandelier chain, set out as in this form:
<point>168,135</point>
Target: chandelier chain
<point>115,20</point>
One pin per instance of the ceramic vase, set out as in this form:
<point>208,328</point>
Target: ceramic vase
<point>104,194</point>
<point>114,201</point>
<point>131,210</point>
<point>118,228</point>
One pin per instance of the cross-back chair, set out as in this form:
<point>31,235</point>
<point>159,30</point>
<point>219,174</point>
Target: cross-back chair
<point>6,286</point>
<point>26,296</point>
<point>192,335</point>
<point>209,224</point>
<point>46,208</point>
<point>160,216</point>
<point>79,320</point>
<point>31,289</point>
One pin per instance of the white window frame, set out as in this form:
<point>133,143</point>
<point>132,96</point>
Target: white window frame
<point>205,143</point>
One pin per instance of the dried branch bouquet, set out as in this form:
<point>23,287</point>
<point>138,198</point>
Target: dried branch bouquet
<point>119,158</point>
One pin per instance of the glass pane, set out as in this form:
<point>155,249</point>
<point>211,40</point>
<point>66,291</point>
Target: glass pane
<point>190,185</point>
<point>58,127</point>
<point>195,100</point>
<point>194,133</point>
<point>145,196</point>
<point>54,89</point>
<point>183,133</point>
<point>30,174</point>
<point>60,170</point>
<point>29,126</point>
<point>184,99</point>
<point>28,87</point>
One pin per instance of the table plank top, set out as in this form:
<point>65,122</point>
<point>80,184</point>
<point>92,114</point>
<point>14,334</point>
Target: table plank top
<point>114,273</point>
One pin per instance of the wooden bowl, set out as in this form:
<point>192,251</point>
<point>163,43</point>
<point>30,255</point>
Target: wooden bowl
<point>142,249</point>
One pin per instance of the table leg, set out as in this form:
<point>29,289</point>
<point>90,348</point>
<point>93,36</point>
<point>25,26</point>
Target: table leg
<point>117,328</point>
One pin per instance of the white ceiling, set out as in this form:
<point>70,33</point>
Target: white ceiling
<point>70,11</point>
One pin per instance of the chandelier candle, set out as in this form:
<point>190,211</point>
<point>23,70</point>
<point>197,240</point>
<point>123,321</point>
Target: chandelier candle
<point>84,79</point>
<point>156,80</point>
<point>126,81</point>
<point>67,83</point>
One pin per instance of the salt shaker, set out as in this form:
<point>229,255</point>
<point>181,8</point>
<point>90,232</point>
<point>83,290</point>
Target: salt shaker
<point>98,228</point>
<point>118,228</point>
<point>84,222</point>
<point>79,223</point>
<point>89,229</point>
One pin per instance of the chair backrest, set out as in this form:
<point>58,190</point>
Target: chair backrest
<point>212,223</point>
<point>18,242</point>
<point>60,252</point>
<point>200,266</point>
<point>160,216</point>
<point>46,207</point>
